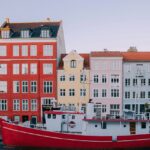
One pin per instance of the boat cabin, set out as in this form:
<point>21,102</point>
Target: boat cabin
<point>63,121</point>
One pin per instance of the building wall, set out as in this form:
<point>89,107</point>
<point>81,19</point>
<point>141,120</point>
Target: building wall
<point>39,77</point>
<point>106,66</point>
<point>67,71</point>
<point>136,70</point>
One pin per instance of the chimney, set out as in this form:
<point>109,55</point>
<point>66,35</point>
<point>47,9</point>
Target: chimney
<point>7,20</point>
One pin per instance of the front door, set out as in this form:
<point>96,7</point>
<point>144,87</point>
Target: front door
<point>25,118</point>
<point>132,127</point>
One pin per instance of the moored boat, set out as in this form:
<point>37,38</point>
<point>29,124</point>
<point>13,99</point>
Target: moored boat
<point>66,129</point>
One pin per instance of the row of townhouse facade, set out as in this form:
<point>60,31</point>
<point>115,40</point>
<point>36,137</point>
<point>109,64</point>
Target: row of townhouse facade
<point>36,72</point>
<point>116,81</point>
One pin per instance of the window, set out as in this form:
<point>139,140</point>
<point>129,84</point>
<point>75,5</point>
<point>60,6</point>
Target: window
<point>24,68</point>
<point>63,116</point>
<point>134,82</point>
<point>104,92</point>
<point>5,34</point>
<point>16,104</point>
<point>17,118</point>
<point>33,68</point>
<point>62,78</point>
<point>72,78</point>
<point>3,51</point>
<point>16,87</point>
<point>33,50</point>
<point>3,105</point>
<point>3,86</point>
<point>143,82</point>
<point>134,95</point>
<point>95,93</point>
<point>82,92</point>
<point>25,104</point>
<point>142,94</point>
<point>47,87</point>
<point>127,106</point>
<point>47,68</point>
<point>33,104</point>
<point>114,78</point>
<point>114,106</point>
<point>24,86</point>
<point>104,79</point>
<point>24,50</point>
<point>3,69</point>
<point>95,78</point>
<point>33,86</point>
<point>49,116</point>
<point>15,50</point>
<point>16,69</point>
<point>103,108</point>
<point>45,33</point>
<point>114,92</point>
<point>54,116</point>
<point>127,94</point>
<point>148,94</point>
<point>47,101</point>
<point>71,92</point>
<point>73,116</point>
<point>73,64</point>
<point>47,50</point>
<point>25,33</point>
<point>62,92</point>
<point>127,82</point>
<point>143,125</point>
<point>82,78</point>
<point>104,125</point>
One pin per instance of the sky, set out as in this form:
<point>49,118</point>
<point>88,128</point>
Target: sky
<point>89,25</point>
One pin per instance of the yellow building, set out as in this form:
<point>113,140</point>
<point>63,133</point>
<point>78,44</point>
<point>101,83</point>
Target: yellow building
<point>73,80</point>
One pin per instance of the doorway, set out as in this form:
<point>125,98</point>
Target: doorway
<point>25,118</point>
<point>132,127</point>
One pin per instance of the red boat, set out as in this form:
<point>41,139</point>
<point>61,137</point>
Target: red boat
<point>16,135</point>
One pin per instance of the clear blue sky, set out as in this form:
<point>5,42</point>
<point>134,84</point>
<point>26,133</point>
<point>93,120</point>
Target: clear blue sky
<point>89,24</point>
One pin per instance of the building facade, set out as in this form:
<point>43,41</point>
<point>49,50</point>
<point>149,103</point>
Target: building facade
<point>73,80</point>
<point>29,55</point>
<point>106,82</point>
<point>136,81</point>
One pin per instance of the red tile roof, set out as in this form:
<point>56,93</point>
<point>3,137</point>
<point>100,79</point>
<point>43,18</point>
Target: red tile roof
<point>106,54</point>
<point>86,60</point>
<point>136,56</point>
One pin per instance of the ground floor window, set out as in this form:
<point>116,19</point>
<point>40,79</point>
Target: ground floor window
<point>3,105</point>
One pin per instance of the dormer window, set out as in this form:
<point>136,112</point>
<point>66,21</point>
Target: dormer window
<point>73,64</point>
<point>25,33</point>
<point>5,34</point>
<point>45,33</point>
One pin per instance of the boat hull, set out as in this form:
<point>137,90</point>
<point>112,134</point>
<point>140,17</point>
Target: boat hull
<point>14,135</point>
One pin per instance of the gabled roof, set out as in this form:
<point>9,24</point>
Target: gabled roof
<point>106,54</point>
<point>84,55</point>
<point>136,56</point>
<point>34,27</point>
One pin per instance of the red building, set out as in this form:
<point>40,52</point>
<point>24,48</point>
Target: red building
<point>29,54</point>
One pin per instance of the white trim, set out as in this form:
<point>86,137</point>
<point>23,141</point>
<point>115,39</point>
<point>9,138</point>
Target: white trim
<point>28,40</point>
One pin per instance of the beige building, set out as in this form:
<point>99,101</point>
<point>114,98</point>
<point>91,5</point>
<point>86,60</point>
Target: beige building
<point>73,80</point>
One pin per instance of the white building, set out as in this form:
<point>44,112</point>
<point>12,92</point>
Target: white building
<point>136,81</point>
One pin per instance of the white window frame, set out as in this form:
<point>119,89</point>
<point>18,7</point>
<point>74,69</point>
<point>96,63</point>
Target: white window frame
<point>33,86</point>
<point>3,105</point>
<point>33,50</point>
<point>47,87</point>
<point>16,50</point>
<point>34,104</point>
<point>47,50</point>
<point>33,68</point>
<point>16,105</point>
<point>3,50</point>
<point>16,86</point>
<point>3,86</point>
<point>24,50</point>
<point>25,87</point>
<point>24,68</point>
<point>25,105</point>
<point>16,68</point>
<point>47,68</point>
